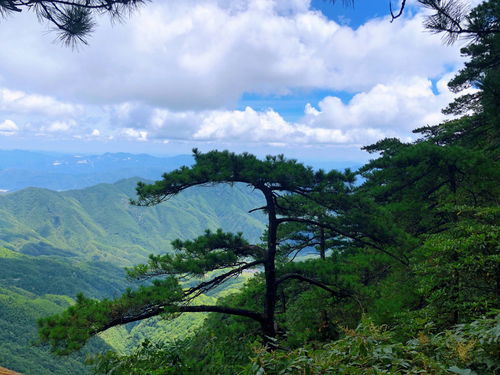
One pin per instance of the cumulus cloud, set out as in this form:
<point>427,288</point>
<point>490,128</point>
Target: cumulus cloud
<point>387,110</point>
<point>21,102</point>
<point>394,108</point>
<point>8,127</point>
<point>176,70</point>
<point>187,55</point>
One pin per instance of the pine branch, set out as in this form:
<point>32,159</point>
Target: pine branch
<point>339,294</point>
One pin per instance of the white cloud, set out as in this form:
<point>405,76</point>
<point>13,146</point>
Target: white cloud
<point>8,127</point>
<point>395,108</point>
<point>59,126</point>
<point>192,55</point>
<point>139,135</point>
<point>270,128</point>
<point>21,102</point>
<point>390,110</point>
<point>176,70</point>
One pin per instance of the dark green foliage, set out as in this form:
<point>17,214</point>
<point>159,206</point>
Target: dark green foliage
<point>481,71</point>
<point>147,359</point>
<point>70,330</point>
<point>370,349</point>
<point>458,270</point>
<point>275,172</point>
<point>206,253</point>
<point>79,240</point>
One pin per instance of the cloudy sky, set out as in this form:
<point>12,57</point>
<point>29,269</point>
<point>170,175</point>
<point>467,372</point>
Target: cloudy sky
<point>307,79</point>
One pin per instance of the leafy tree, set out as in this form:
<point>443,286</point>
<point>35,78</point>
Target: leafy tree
<point>458,270</point>
<point>275,177</point>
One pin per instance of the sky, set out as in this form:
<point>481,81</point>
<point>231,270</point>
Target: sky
<point>309,79</point>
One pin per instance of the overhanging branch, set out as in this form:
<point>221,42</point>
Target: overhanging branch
<point>342,233</point>
<point>156,310</point>
<point>199,289</point>
<point>298,276</point>
<point>401,9</point>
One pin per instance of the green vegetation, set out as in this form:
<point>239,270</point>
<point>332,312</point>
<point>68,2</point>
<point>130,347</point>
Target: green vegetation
<point>401,274</point>
<point>31,288</point>
<point>55,245</point>
<point>405,280</point>
<point>278,180</point>
<point>371,349</point>
<point>98,223</point>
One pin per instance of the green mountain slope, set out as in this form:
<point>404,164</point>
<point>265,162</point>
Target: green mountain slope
<point>56,244</point>
<point>99,224</point>
<point>33,287</point>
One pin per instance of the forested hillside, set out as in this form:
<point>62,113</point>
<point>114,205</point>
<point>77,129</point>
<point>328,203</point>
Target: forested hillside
<point>99,224</point>
<point>406,276</point>
<point>54,245</point>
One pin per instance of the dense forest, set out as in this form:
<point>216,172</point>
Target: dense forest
<point>390,269</point>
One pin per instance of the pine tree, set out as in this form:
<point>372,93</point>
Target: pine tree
<point>230,254</point>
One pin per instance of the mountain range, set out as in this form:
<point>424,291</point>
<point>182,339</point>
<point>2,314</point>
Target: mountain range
<point>20,169</point>
<point>56,244</point>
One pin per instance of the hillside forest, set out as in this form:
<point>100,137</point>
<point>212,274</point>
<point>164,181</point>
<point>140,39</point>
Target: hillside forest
<point>390,269</point>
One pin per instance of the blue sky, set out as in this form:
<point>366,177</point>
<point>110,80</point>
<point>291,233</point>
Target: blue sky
<point>312,80</point>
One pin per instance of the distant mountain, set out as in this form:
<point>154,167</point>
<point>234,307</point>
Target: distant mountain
<point>55,244</point>
<point>56,171</point>
<point>21,169</point>
<point>99,224</point>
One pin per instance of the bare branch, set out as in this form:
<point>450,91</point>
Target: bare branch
<point>401,9</point>
<point>257,209</point>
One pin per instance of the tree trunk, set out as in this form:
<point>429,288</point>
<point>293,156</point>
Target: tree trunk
<point>269,328</point>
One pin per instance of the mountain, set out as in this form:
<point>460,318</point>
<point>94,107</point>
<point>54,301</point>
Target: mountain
<point>34,287</point>
<point>99,224</point>
<point>20,169</point>
<point>57,171</point>
<point>56,244</point>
